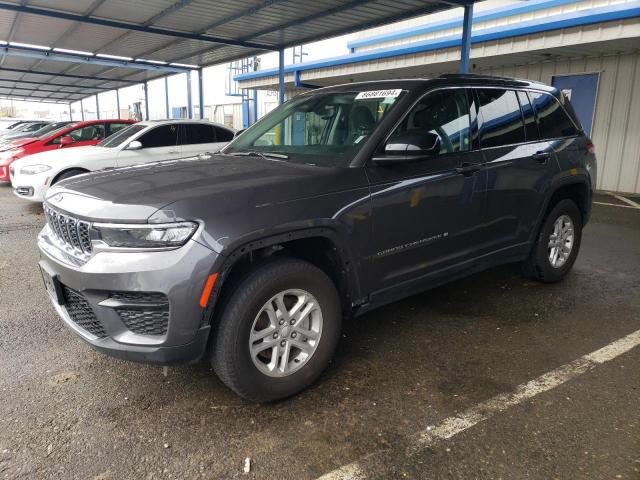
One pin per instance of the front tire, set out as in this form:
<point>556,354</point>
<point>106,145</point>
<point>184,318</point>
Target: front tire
<point>557,245</point>
<point>278,331</point>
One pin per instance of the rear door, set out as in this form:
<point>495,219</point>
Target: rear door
<point>158,143</point>
<point>426,213</point>
<point>520,167</point>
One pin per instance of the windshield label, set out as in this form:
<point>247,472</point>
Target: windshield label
<point>379,94</point>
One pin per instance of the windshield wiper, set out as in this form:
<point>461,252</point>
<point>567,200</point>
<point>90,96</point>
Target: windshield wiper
<point>256,153</point>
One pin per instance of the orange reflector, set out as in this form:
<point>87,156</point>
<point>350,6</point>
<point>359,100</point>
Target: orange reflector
<point>206,291</point>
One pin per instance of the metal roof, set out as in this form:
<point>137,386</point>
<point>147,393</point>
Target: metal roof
<point>65,50</point>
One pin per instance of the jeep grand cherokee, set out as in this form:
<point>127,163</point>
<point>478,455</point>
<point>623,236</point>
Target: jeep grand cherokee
<point>339,201</point>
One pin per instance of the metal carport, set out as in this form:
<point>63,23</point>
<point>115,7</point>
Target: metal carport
<point>66,50</point>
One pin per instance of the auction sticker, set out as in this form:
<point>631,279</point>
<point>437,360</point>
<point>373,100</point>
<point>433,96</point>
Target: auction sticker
<point>379,94</point>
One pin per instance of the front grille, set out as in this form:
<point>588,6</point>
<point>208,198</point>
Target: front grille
<point>69,230</point>
<point>81,312</point>
<point>144,313</point>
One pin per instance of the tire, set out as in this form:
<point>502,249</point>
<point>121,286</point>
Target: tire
<point>255,377</point>
<point>67,174</point>
<point>540,264</point>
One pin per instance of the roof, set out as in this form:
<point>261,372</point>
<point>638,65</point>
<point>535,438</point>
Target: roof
<point>97,45</point>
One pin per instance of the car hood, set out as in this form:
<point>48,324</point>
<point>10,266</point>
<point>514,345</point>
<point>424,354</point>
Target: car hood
<point>220,182</point>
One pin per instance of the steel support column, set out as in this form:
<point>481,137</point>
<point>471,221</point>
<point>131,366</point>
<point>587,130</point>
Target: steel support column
<point>70,114</point>
<point>145,86</point>
<point>166,97</point>
<point>465,51</point>
<point>82,110</point>
<point>189,96</point>
<point>281,76</point>
<point>118,102</point>
<point>200,93</point>
<point>97,107</point>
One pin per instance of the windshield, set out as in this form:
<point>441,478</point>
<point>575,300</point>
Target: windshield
<point>121,136</point>
<point>324,128</point>
<point>50,130</point>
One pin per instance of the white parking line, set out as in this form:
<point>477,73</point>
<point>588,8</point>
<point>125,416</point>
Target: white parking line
<point>485,410</point>
<point>626,200</point>
<point>613,205</point>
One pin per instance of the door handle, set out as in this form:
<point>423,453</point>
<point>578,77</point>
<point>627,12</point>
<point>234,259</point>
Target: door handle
<point>541,156</point>
<point>468,168</point>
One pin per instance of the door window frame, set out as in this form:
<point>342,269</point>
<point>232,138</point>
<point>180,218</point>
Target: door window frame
<point>481,118</point>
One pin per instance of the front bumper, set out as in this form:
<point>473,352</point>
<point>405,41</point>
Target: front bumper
<point>177,276</point>
<point>30,187</point>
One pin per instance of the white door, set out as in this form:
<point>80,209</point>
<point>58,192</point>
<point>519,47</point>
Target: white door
<point>200,138</point>
<point>159,143</point>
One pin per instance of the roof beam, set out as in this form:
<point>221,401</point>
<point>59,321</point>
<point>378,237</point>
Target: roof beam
<point>43,90</point>
<point>64,85</point>
<point>12,32</point>
<point>30,98</point>
<point>67,75</point>
<point>74,17</point>
<point>29,52</point>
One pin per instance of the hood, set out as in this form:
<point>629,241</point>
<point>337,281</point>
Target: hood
<point>221,182</point>
<point>10,144</point>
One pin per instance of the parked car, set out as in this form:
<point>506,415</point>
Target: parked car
<point>140,143</point>
<point>339,201</point>
<point>24,127</point>
<point>80,134</point>
<point>5,142</point>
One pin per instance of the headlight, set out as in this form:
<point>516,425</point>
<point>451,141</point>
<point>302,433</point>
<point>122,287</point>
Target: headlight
<point>145,236</point>
<point>33,169</point>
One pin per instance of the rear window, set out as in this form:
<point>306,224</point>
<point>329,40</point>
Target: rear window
<point>553,121</point>
<point>195,133</point>
<point>223,135</point>
<point>501,118</point>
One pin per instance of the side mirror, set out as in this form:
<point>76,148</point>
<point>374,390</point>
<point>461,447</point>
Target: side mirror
<point>66,140</point>
<point>408,146</point>
<point>134,145</point>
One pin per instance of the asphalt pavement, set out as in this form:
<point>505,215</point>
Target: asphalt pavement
<point>67,411</point>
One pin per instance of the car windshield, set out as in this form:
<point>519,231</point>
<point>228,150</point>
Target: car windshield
<point>121,136</point>
<point>324,128</point>
<point>50,130</point>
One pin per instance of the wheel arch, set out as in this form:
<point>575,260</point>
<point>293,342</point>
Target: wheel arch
<point>56,178</point>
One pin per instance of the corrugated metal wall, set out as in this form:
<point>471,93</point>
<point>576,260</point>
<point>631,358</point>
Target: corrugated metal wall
<point>616,128</point>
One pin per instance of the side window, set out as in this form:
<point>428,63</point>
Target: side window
<point>195,133</point>
<point>443,113</point>
<point>115,127</point>
<point>553,121</point>
<point>84,134</point>
<point>530,127</point>
<point>162,136</point>
<point>501,118</point>
<point>223,135</point>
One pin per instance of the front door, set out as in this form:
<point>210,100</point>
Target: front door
<point>581,90</point>
<point>159,143</point>
<point>425,213</point>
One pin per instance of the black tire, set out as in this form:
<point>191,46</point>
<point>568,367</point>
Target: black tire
<point>538,266</point>
<point>230,356</point>
<point>67,174</point>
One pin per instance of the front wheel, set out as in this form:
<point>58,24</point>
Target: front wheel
<point>558,243</point>
<point>278,331</point>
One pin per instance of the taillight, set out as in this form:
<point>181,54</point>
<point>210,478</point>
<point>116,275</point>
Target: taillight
<point>591,148</point>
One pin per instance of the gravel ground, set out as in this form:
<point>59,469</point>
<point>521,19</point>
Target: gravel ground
<point>70,412</point>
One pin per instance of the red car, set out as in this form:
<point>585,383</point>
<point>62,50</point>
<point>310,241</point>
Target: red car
<point>78,134</point>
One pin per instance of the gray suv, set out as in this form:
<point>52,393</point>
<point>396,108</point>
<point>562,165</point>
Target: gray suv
<point>339,201</point>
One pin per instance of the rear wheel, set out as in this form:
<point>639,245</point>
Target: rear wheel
<point>278,331</point>
<point>558,243</point>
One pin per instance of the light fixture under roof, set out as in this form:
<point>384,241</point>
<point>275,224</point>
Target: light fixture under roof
<point>29,45</point>
<point>186,65</point>
<point>156,62</point>
<point>74,52</point>
<point>113,57</point>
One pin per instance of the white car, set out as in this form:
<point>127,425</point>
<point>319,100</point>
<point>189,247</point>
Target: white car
<point>140,143</point>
